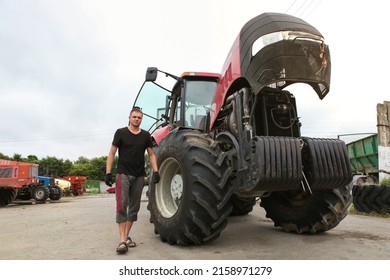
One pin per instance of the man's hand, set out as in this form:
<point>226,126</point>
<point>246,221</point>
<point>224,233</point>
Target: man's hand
<point>108,179</point>
<point>155,177</point>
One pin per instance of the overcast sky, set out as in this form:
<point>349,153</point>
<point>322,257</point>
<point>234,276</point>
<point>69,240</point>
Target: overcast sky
<point>70,69</point>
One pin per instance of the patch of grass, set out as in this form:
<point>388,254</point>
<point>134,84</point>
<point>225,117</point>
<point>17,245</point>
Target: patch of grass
<point>385,182</point>
<point>352,210</point>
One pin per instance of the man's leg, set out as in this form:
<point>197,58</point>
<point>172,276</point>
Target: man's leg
<point>136,188</point>
<point>124,230</point>
<point>122,202</point>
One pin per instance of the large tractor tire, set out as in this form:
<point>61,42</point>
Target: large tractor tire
<point>41,193</point>
<point>300,212</point>
<point>371,198</point>
<point>7,195</point>
<point>242,205</point>
<point>190,204</point>
<point>55,193</point>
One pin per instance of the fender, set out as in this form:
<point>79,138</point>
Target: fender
<point>161,133</point>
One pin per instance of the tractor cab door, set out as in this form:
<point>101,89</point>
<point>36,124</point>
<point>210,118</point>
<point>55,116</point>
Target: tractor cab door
<point>154,100</point>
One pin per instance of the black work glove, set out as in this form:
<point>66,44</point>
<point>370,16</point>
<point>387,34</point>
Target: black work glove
<point>155,177</point>
<point>108,179</point>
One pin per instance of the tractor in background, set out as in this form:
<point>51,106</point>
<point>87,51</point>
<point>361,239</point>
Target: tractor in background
<point>20,180</point>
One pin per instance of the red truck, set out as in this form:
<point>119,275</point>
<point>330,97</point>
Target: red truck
<point>20,180</point>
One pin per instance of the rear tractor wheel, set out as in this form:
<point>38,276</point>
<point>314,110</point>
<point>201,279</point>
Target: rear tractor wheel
<point>55,193</point>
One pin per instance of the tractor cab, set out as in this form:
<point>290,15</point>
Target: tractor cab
<point>168,101</point>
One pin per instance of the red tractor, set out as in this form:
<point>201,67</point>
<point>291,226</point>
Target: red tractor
<point>224,141</point>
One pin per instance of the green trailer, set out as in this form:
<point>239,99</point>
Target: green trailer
<point>363,155</point>
<point>368,195</point>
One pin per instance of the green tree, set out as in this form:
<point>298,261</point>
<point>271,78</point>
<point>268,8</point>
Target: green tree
<point>79,169</point>
<point>17,157</point>
<point>52,166</point>
<point>82,160</point>
<point>97,168</point>
<point>32,159</point>
<point>94,169</point>
<point>3,156</point>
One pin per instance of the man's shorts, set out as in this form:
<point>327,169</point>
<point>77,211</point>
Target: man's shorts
<point>128,193</point>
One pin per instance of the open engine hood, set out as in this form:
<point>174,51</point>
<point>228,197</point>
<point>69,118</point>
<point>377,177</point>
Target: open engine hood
<point>278,50</point>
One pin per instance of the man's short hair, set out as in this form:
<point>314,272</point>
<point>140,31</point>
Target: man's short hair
<point>136,109</point>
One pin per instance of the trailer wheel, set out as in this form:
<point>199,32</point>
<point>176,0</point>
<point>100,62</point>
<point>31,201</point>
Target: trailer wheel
<point>55,193</point>
<point>41,193</point>
<point>371,198</point>
<point>190,204</point>
<point>304,213</point>
<point>7,195</point>
<point>241,205</point>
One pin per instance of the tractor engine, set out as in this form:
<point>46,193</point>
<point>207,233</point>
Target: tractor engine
<point>272,112</point>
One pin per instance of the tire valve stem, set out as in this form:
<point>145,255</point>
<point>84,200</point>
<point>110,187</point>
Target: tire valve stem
<point>304,183</point>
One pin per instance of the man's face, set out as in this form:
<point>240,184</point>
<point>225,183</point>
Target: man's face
<point>135,119</point>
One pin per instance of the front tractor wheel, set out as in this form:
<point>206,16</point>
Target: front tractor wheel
<point>300,212</point>
<point>190,204</point>
<point>41,193</point>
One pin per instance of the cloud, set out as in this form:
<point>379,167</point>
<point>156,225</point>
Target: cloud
<point>70,70</point>
<point>57,79</point>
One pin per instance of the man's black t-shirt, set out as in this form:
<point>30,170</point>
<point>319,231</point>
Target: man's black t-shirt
<point>131,151</point>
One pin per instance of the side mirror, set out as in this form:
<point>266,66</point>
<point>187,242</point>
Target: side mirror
<point>151,74</point>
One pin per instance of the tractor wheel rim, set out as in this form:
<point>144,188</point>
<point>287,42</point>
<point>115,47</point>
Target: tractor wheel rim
<point>169,190</point>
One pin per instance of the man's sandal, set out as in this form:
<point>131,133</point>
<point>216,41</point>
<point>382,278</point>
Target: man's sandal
<point>130,243</point>
<point>122,248</point>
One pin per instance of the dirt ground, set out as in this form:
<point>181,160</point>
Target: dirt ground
<point>83,228</point>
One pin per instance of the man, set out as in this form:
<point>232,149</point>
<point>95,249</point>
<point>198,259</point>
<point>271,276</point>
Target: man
<point>132,141</point>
